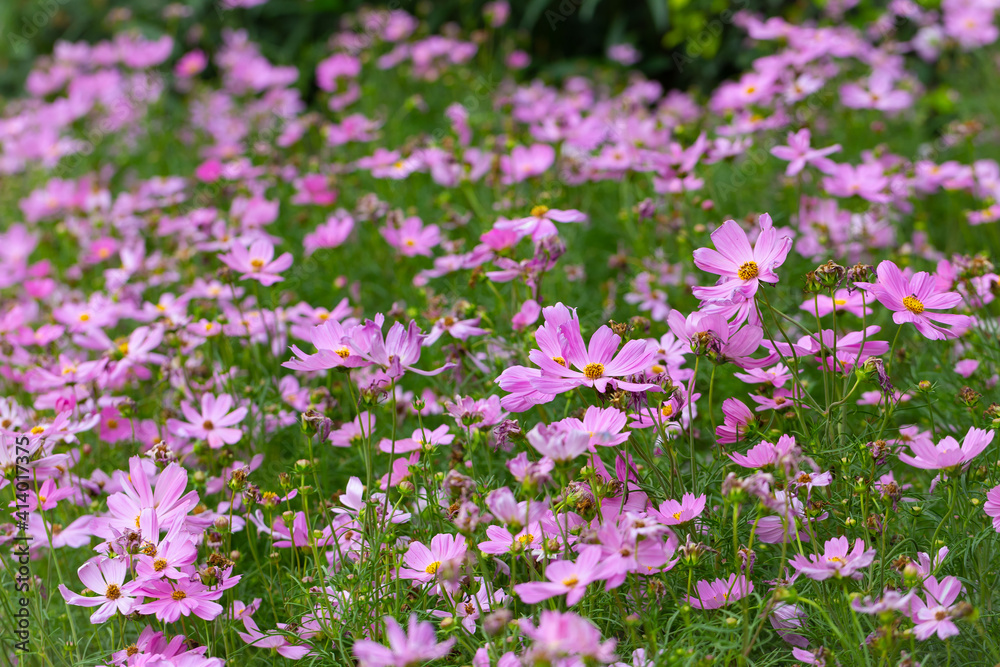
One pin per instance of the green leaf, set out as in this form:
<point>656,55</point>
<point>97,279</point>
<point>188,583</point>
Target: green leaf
<point>661,16</point>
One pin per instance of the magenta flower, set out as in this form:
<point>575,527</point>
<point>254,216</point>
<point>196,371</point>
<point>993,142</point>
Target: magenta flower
<point>911,301</point>
<point>106,577</point>
<point>947,453</point>
<point>173,599</point>
<point>559,637</point>
<point>525,162</point>
<point>836,561</point>
<point>799,153</point>
<point>563,577</point>
<point>719,593</point>
<point>541,223</point>
<point>412,238</point>
<point>672,513</point>
<point>417,645</point>
<point>422,564</point>
<point>935,616</point>
<point>741,266</point>
<point>257,261</point>
<point>215,422</point>
<point>737,419</point>
<point>559,444</point>
<point>273,640</point>
<point>596,365</point>
<point>992,506</point>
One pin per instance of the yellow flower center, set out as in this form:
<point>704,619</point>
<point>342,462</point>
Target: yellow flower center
<point>560,361</point>
<point>131,650</point>
<point>913,304</point>
<point>113,592</point>
<point>570,581</point>
<point>36,430</point>
<point>593,371</point>
<point>667,410</point>
<point>748,271</point>
<point>178,595</point>
<point>677,516</point>
<point>343,352</point>
<point>840,302</point>
<point>835,559</point>
<point>160,564</point>
<point>123,348</point>
<point>84,317</point>
<point>657,369</point>
<point>539,211</point>
<point>433,567</point>
<point>257,264</point>
<point>112,423</point>
<point>323,317</point>
<point>527,538</point>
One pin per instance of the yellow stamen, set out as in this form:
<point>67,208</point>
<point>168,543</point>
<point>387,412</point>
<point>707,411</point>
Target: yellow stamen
<point>913,304</point>
<point>593,371</point>
<point>748,271</point>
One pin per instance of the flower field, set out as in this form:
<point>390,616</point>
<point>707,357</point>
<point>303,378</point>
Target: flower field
<point>408,356</point>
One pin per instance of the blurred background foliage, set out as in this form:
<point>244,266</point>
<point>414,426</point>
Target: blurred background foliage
<point>684,43</point>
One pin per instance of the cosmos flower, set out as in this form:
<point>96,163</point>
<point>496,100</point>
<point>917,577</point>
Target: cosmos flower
<point>742,267</point>
<point>257,261</point>
<point>836,560</point>
<point>948,453</point>
<point>563,576</point>
<point>416,645</point>
<point>914,301</point>
<point>106,577</point>
<point>719,593</point>
<point>214,424</point>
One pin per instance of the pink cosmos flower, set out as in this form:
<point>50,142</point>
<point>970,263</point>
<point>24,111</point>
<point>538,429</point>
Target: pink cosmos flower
<point>417,645</point>
<point>526,316</point>
<point>596,365</point>
<point>672,513</point>
<point>934,616</point>
<point>776,376</point>
<point>525,162</point>
<point>719,593</point>
<point>540,224</point>
<point>191,63</point>
<point>603,424</point>
<point>842,300</point>
<point>257,261</point>
<point>947,453</point>
<point>992,506</point>
<point>559,444</point>
<point>412,238</point>
<point>273,640</point>
<point>422,564</point>
<point>563,576</point>
<point>741,266</point>
<point>911,301</point>
<point>106,577</point>
<point>799,153</point>
<point>737,419</point>
<point>330,234</point>
<point>565,638</point>
<point>213,424</point>
<point>836,561</point>
<point>172,599</point>
<point>966,367</point>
